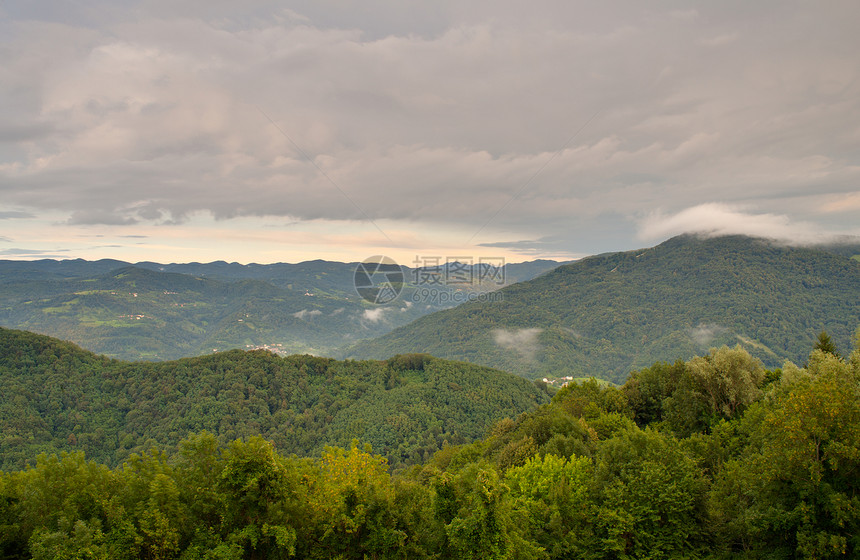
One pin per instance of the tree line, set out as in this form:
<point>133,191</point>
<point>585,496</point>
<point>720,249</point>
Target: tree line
<point>55,397</point>
<point>715,457</point>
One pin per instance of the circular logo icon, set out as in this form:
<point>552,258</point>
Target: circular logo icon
<point>378,279</point>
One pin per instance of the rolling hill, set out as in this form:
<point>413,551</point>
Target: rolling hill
<point>56,397</point>
<point>609,314</point>
<point>157,312</point>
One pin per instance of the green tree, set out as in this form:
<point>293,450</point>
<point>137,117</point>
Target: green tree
<point>479,527</point>
<point>714,387</point>
<point>352,499</point>
<point>796,491</point>
<point>649,499</point>
<point>646,390</point>
<point>550,502</point>
<point>825,344</point>
<point>147,517</point>
<point>59,505</point>
<point>254,485</point>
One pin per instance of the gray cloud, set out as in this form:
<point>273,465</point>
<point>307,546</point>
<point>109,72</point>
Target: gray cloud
<point>436,113</point>
<point>23,132</point>
<point>83,217</point>
<point>18,253</point>
<point>15,214</point>
<point>522,246</point>
<point>556,244</point>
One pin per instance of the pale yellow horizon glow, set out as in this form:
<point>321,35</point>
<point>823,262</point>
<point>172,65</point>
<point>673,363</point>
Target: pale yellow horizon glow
<point>248,240</point>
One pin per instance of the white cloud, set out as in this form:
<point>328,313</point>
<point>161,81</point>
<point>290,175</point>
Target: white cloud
<point>307,313</point>
<point>727,219</point>
<point>704,334</point>
<point>522,341</point>
<point>373,315</point>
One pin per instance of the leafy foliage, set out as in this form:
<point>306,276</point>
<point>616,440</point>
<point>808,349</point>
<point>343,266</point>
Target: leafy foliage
<point>56,397</point>
<point>767,470</point>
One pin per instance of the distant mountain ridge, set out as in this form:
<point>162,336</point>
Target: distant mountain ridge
<point>167,311</point>
<point>609,314</point>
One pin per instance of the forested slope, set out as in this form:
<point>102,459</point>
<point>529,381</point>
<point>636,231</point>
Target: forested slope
<point>56,397</point>
<point>714,458</point>
<point>609,314</point>
<point>155,311</point>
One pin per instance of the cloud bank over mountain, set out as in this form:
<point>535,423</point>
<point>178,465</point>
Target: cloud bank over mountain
<point>529,128</point>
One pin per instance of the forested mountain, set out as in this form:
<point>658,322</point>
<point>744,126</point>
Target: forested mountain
<point>711,459</point>
<point>609,314</point>
<point>56,397</point>
<point>156,312</point>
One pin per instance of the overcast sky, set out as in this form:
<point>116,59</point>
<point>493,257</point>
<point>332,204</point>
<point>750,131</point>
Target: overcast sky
<point>286,131</point>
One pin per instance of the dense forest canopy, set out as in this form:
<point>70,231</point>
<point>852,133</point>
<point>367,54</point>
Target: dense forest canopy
<point>56,397</point>
<point>714,458</point>
<point>609,314</point>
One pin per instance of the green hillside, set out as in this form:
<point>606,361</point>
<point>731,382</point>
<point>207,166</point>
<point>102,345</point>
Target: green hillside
<point>609,314</point>
<point>711,459</point>
<point>137,313</point>
<point>56,397</point>
<point>157,312</point>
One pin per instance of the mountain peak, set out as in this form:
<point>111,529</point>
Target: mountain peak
<point>609,314</point>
